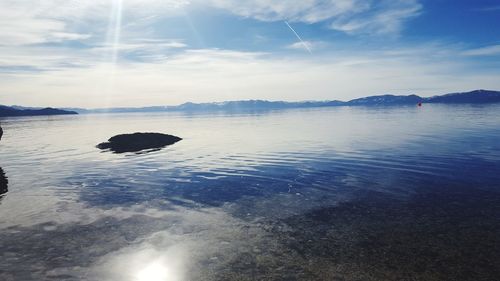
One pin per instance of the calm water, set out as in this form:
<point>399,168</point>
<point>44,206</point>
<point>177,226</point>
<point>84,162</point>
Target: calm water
<point>322,194</point>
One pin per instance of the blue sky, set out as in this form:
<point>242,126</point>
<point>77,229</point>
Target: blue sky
<point>153,52</point>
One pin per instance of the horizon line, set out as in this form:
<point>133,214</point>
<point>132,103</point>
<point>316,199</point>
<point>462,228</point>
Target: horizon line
<point>243,100</point>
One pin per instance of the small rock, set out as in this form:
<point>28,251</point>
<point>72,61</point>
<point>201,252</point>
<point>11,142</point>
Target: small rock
<point>137,142</point>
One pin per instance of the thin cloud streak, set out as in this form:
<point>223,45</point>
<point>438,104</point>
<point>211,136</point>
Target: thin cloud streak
<point>485,51</point>
<point>298,36</point>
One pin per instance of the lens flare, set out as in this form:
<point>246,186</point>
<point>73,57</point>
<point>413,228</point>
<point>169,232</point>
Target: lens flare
<point>116,23</point>
<point>113,42</point>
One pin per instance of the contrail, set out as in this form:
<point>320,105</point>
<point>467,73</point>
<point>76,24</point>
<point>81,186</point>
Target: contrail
<point>298,36</point>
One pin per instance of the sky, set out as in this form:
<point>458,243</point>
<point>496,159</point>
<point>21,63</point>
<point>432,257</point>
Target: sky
<point>122,53</point>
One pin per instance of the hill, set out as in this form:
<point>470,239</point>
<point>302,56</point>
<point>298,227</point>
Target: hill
<point>6,111</point>
<point>386,100</point>
<point>478,96</point>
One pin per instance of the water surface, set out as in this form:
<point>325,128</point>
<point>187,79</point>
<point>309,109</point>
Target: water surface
<point>391,193</point>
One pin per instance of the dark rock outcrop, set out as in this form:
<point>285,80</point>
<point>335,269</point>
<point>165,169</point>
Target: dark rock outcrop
<point>3,179</point>
<point>137,142</point>
<point>3,183</point>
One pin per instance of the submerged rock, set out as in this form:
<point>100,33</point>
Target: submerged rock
<point>1,132</point>
<point>137,142</point>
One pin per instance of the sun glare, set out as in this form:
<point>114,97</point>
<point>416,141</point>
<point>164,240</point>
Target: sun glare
<point>154,272</point>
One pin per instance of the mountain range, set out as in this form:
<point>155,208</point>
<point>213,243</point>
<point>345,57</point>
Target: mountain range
<point>9,111</point>
<point>473,97</point>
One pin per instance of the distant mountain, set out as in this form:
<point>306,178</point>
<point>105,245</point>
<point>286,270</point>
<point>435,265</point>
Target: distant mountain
<point>474,97</point>
<point>478,96</point>
<point>251,105</point>
<point>118,109</point>
<point>386,100</point>
<point>24,107</point>
<point>246,105</point>
<point>6,111</point>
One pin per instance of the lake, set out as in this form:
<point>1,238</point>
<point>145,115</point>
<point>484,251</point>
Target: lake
<point>341,193</point>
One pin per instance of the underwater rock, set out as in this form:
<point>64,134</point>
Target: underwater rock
<point>137,142</point>
<point>1,132</point>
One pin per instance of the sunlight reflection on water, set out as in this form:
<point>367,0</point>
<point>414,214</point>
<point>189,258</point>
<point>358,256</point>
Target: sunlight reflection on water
<point>148,265</point>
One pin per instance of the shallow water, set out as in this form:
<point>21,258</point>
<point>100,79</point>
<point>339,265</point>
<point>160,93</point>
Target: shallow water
<point>399,193</point>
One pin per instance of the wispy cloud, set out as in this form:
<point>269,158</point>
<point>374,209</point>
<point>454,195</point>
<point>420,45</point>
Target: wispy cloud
<point>383,18</point>
<point>311,45</point>
<point>34,58</point>
<point>350,16</point>
<point>147,49</point>
<point>23,22</point>
<point>298,11</point>
<point>485,51</point>
<point>212,74</point>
